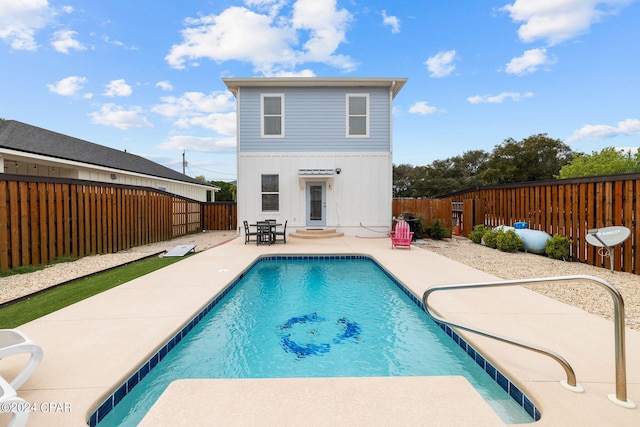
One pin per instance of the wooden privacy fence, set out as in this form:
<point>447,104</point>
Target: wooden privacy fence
<point>567,208</point>
<point>42,219</point>
<point>427,209</point>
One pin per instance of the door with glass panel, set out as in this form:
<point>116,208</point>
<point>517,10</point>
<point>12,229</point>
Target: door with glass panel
<point>316,204</point>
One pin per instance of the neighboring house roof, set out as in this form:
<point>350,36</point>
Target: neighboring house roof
<point>25,138</point>
<point>394,84</point>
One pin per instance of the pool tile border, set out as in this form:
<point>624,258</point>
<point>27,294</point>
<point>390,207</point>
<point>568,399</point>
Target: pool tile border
<point>507,385</point>
<point>121,391</point>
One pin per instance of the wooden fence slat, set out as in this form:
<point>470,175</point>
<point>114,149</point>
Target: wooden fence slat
<point>25,236</point>
<point>627,221</point>
<point>4,227</point>
<point>51,220</point>
<point>14,209</point>
<point>34,224</point>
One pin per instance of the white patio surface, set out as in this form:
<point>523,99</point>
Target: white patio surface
<point>91,347</point>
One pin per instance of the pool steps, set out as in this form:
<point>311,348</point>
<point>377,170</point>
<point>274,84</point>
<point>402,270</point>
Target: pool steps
<point>324,233</point>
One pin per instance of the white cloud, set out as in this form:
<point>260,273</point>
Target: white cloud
<point>69,86</point>
<point>422,107</point>
<point>556,21</point>
<point>63,41</point>
<point>21,19</point>
<point>391,21</point>
<point>326,26</point>
<point>193,103</point>
<point>200,144</point>
<point>117,88</point>
<point>222,123</point>
<point>625,127</point>
<point>214,111</point>
<point>529,62</point>
<point>302,73</point>
<point>116,116</point>
<point>272,43</point>
<point>498,99</point>
<point>628,150</point>
<point>441,65</point>
<point>236,34</point>
<point>165,85</point>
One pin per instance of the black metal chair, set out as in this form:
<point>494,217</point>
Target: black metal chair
<point>263,233</point>
<point>282,233</point>
<point>248,234</point>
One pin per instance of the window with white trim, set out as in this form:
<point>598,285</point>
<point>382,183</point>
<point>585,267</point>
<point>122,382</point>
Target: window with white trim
<point>272,107</point>
<point>357,115</point>
<point>270,193</point>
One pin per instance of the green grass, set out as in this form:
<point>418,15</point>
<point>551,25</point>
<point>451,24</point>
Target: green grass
<point>56,298</point>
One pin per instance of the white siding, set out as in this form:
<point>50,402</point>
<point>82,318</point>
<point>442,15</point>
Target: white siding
<point>358,200</point>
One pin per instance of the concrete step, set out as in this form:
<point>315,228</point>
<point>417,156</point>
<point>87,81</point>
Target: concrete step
<point>324,233</point>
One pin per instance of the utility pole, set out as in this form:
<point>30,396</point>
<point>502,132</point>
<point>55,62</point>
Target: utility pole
<point>184,162</point>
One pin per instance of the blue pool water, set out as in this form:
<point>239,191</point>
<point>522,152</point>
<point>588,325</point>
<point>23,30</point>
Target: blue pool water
<point>314,318</point>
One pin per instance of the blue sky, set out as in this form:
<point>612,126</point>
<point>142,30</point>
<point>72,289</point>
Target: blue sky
<point>145,76</point>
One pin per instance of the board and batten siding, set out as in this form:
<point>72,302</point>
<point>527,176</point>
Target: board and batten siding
<point>315,120</point>
<point>358,200</point>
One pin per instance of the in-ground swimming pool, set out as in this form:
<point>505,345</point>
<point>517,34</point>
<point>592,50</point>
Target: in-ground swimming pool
<point>312,316</point>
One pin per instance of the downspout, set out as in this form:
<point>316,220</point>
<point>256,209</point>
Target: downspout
<point>236,93</point>
<point>393,84</point>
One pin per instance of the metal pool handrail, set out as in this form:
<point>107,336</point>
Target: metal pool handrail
<point>620,397</point>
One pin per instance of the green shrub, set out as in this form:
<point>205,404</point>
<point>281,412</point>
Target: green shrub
<point>489,238</point>
<point>508,241</point>
<point>437,230</point>
<point>478,231</point>
<point>558,247</point>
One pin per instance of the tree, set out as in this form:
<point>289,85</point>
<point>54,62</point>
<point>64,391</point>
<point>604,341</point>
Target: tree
<point>535,158</point>
<point>608,161</point>
<point>440,177</point>
<point>227,191</point>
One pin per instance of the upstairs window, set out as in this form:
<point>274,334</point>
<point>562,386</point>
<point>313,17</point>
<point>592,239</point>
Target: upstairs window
<point>272,115</point>
<point>270,193</point>
<point>357,115</point>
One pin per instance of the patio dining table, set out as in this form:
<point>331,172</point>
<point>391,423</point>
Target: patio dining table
<point>271,236</point>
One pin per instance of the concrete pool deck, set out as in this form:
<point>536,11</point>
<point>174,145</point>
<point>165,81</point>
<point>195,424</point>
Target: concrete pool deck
<point>91,347</point>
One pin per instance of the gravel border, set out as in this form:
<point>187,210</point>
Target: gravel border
<point>520,265</point>
<point>20,285</point>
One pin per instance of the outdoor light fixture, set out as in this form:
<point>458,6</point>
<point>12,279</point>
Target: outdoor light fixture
<point>338,170</point>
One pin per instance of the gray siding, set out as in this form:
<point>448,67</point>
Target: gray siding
<point>315,120</point>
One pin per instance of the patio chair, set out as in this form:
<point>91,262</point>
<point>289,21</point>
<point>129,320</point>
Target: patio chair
<point>282,233</point>
<point>14,342</point>
<point>264,233</point>
<point>402,235</point>
<point>248,234</point>
<point>10,402</point>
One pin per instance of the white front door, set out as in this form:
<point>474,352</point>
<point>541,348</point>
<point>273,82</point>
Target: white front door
<point>316,204</point>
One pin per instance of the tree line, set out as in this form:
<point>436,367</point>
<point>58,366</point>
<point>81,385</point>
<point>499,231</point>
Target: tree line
<point>535,158</point>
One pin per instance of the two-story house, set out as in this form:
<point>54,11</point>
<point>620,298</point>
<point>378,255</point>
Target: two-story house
<point>316,152</point>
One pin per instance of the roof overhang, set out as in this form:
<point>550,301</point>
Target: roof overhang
<point>394,84</point>
<point>306,175</point>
